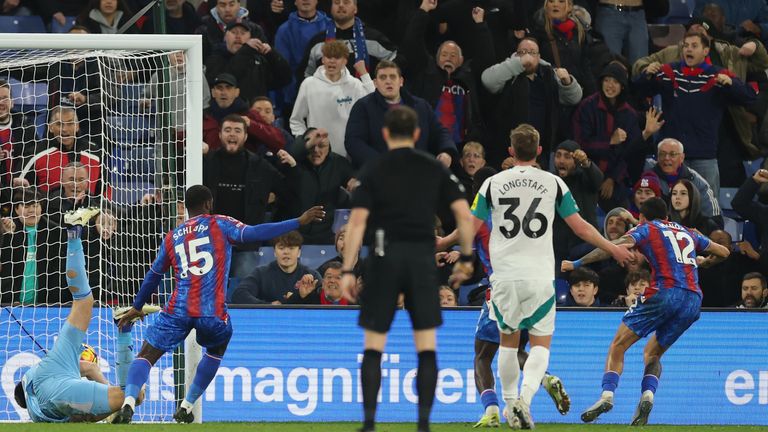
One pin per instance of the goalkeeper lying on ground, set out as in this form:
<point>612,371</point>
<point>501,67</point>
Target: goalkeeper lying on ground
<point>52,390</point>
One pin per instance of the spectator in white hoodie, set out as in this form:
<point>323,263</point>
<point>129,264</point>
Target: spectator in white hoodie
<point>326,98</point>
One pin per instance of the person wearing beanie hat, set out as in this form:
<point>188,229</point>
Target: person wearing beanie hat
<point>583,178</point>
<point>607,128</point>
<point>648,186</point>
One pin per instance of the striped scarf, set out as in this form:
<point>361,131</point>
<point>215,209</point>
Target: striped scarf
<point>360,49</point>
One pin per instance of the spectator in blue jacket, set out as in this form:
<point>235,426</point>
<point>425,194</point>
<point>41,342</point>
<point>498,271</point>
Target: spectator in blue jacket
<point>292,39</point>
<point>364,141</point>
<point>694,94</point>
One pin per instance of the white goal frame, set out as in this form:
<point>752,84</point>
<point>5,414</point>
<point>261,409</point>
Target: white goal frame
<point>192,46</point>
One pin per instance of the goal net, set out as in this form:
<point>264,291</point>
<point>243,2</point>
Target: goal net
<point>112,121</point>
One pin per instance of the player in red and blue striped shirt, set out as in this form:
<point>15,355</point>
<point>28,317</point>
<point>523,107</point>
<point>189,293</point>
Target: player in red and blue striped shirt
<point>198,251</point>
<point>669,306</point>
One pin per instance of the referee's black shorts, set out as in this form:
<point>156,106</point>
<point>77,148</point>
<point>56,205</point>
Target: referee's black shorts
<point>408,268</point>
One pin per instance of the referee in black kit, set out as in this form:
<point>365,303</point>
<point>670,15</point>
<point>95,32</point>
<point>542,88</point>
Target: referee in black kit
<point>397,200</point>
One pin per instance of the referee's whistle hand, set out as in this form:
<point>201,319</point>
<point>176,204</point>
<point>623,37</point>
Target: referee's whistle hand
<point>314,214</point>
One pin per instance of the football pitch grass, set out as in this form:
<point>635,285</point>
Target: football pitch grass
<point>352,427</point>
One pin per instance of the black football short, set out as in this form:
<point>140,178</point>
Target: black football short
<point>408,268</point>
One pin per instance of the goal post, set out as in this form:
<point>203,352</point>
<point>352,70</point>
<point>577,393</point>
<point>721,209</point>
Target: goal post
<point>147,118</point>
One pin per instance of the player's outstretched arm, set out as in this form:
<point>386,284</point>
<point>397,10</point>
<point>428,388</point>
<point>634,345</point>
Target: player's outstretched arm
<point>718,250</point>
<point>589,234</point>
<point>268,231</point>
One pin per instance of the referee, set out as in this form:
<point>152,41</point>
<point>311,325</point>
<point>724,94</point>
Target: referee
<point>397,199</point>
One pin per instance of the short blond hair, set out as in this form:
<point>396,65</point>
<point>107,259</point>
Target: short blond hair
<point>525,140</point>
<point>473,145</point>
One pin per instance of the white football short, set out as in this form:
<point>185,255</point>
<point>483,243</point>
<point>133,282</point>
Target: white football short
<point>523,305</point>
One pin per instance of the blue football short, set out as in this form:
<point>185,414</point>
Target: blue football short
<point>168,331</point>
<point>487,330</point>
<point>57,385</point>
<point>669,313</point>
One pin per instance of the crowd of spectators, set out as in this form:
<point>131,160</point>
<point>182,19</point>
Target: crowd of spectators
<point>296,92</point>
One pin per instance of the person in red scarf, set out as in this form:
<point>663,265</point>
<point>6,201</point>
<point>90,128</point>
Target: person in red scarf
<point>329,292</point>
<point>563,42</point>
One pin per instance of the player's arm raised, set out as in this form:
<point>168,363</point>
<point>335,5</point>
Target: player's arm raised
<point>268,231</point>
<point>619,249</point>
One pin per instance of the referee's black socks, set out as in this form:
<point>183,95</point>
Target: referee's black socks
<point>370,375</point>
<point>426,382</point>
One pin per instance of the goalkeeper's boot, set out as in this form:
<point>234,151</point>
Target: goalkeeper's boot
<point>603,405</point>
<point>555,389</point>
<point>124,416</point>
<point>640,418</point>
<point>119,312</point>
<point>489,420</point>
<point>512,420</point>
<point>80,216</point>
<point>183,416</point>
<point>522,411</point>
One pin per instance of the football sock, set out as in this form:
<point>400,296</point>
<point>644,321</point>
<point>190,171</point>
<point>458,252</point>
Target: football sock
<point>610,381</point>
<point>426,382</point>
<point>533,372</point>
<point>75,268</point>
<point>206,371</point>
<point>509,373</point>
<point>137,376</point>
<point>123,357</point>
<point>370,375</point>
<point>490,400</point>
<point>649,383</point>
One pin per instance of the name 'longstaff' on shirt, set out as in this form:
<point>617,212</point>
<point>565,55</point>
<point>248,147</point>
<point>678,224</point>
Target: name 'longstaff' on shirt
<point>522,183</point>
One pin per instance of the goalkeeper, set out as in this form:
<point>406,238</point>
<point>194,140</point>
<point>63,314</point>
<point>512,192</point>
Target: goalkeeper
<point>52,390</point>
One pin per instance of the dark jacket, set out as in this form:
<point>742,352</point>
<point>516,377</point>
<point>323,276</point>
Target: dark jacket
<point>593,124</point>
<point>261,178</point>
<point>427,80</point>
<point>323,185</point>
<point>710,207</point>
<point>22,146</point>
<point>187,24</point>
<point>269,283</point>
<point>572,55</point>
<point>746,206</point>
<point>256,73</point>
<point>584,185</point>
<point>363,138</point>
<point>212,29</point>
<point>51,247</point>
<point>693,108</point>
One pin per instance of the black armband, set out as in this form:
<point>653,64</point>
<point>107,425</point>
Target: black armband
<point>467,258</point>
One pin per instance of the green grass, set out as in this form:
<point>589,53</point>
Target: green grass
<point>352,427</point>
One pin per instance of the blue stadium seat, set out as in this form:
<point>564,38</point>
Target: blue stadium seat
<point>726,195</point>
<point>734,228</point>
<point>751,167</point>
<point>313,256</point>
<point>465,290</point>
<point>22,24</point>
<point>750,234</point>
<point>340,218</point>
<point>63,28</point>
<point>680,12</point>
<point>29,96</point>
<point>132,163</point>
<point>562,287</point>
<point>41,125</point>
<point>266,255</point>
<point>127,192</point>
<point>130,129</point>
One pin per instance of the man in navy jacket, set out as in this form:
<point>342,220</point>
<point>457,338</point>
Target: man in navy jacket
<point>364,141</point>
